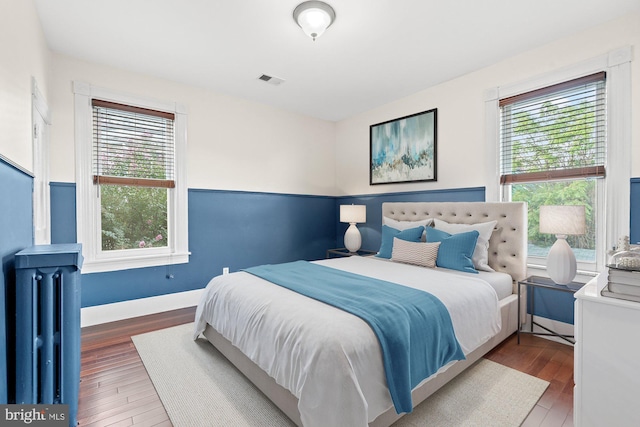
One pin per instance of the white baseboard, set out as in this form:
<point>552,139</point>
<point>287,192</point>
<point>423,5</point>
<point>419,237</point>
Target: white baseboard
<point>556,326</point>
<point>139,307</point>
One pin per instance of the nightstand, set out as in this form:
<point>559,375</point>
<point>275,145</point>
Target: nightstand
<point>343,252</point>
<point>534,282</point>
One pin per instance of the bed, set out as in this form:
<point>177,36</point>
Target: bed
<point>323,366</point>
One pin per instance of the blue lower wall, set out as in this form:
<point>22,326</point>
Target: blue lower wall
<point>371,230</point>
<point>226,229</point>
<point>553,305</point>
<point>238,229</point>
<point>16,233</point>
<point>559,305</point>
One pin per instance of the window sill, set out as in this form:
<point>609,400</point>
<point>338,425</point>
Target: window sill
<point>541,270</point>
<point>105,265</point>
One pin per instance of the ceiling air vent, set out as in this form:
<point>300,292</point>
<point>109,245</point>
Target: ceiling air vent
<point>275,81</point>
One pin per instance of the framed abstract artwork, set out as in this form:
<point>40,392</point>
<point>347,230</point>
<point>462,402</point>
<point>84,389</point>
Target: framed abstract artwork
<point>404,149</point>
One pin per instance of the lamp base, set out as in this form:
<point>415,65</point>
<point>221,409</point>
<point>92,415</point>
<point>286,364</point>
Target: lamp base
<point>561,262</point>
<point>352,238</point>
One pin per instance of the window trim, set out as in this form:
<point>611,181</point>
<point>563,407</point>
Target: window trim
<point>40,139</point>
<point>87,209</point>
<point>615,208</point>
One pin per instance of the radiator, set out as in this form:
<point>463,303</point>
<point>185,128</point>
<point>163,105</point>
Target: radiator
<point>48,326</point>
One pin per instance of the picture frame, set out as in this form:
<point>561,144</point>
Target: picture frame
<point>404,149</point>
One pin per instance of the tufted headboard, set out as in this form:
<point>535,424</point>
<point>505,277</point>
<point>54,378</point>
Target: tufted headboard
<point>508,243</point>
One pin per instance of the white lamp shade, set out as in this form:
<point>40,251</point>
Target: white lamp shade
<point>562,220</point>
<point>353,213</point>
<point>314,17</point>
<point>561,262</point>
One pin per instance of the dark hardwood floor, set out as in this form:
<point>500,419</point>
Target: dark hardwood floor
<point>115,389</point>
<point>550,361</point>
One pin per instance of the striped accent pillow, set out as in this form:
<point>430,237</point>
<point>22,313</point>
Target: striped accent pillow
<point>417,253</point>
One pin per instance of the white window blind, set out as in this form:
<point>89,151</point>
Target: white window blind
<point>132,145</point>
<point>557,132</point>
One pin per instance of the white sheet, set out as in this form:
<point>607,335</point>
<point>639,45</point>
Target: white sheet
<point>331,360</point>
<point>502,283</point>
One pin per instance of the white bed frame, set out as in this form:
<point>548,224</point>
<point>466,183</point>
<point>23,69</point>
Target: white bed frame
<point>507,253</point>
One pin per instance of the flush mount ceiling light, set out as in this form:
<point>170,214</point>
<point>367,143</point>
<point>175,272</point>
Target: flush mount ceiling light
<point>314,17</point>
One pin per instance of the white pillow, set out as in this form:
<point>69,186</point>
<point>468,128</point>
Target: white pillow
<point>403,225</point>
<point>481,253</point>
<point>422,254</point>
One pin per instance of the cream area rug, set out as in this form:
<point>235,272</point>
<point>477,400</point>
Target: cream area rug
<point>199,387</point>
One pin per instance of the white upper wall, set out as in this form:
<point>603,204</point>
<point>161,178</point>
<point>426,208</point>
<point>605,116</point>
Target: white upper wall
<point>23,55</point>
<point>232,143</point>
<point>461,149</point>
<point>236,144</point>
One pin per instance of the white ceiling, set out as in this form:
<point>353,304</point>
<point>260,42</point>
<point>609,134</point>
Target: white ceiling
<point>376,51</point>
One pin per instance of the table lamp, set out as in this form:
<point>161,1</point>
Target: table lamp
<point>562,221</point>
<point>353,214</point>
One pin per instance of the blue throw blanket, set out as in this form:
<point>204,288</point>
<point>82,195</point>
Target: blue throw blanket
<point>413,327</point>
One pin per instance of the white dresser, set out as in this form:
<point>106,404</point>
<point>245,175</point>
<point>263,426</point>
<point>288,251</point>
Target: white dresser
<point>607,359</point>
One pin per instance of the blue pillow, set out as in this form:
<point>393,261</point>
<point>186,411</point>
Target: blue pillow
<point>388,233</point>
<point>456,250</point>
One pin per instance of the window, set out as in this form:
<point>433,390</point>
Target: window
<point>133,166</point>
<point>553,150</point>
<point>611,181</point>
<point>130,186</point>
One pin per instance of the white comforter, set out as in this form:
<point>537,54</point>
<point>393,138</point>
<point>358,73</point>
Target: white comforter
<point>329,359</point>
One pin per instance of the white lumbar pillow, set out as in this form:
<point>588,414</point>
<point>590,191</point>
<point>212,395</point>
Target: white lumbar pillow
<point>416,253</point>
